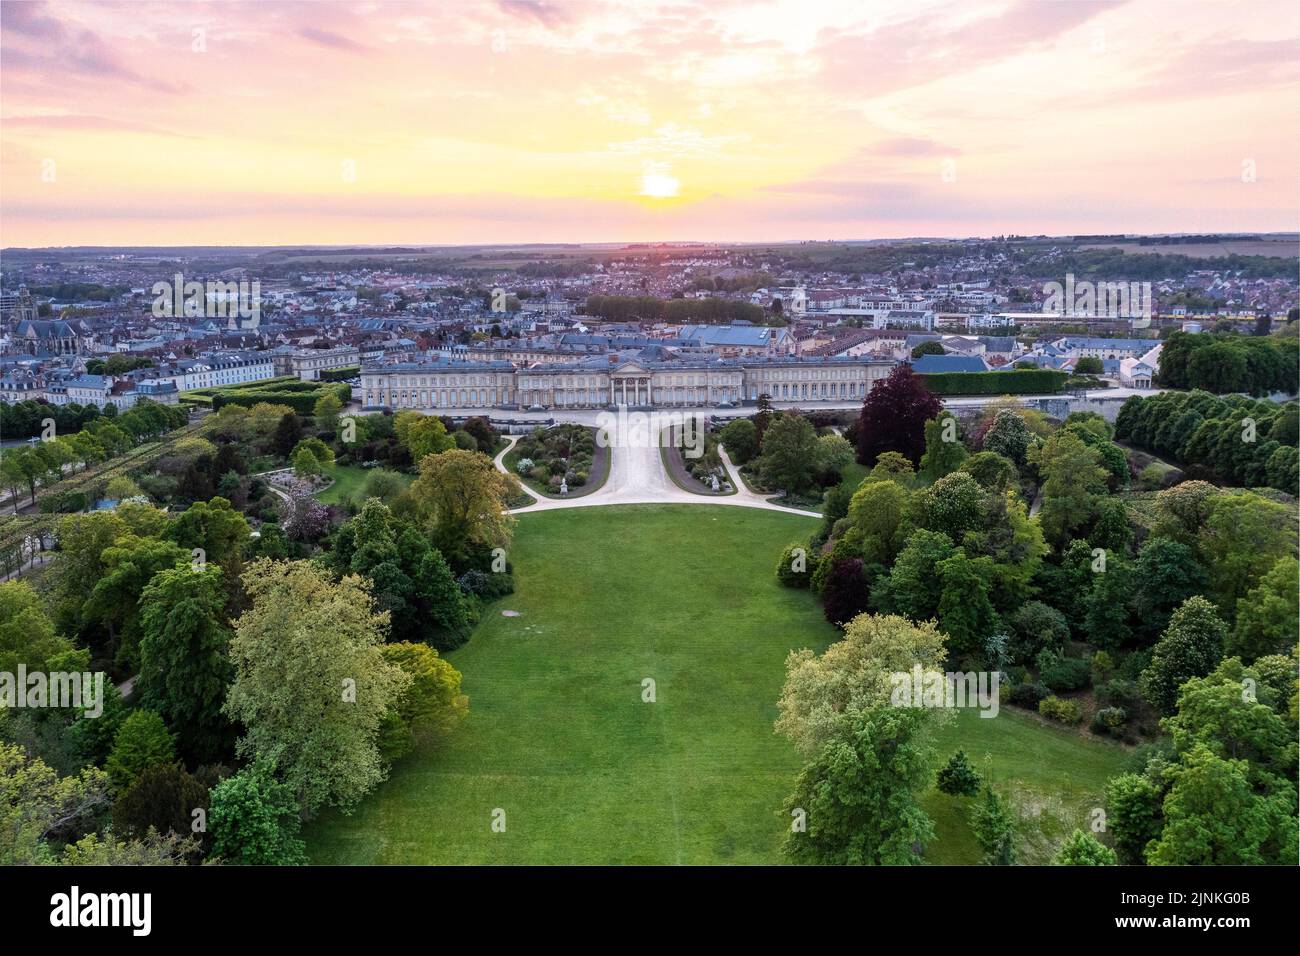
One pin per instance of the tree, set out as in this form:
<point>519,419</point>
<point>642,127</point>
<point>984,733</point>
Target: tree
<point>954,505</point>
<point>326,413</point>
<point>464,497</point>
<point>36,805</point>
<point>426,435</point>
<point>303,518</point>
<point>1269,618</point>
<point>994,829</point>
<point>964,611</point>
<point>860,793</point>
<point>1112,531</point>
<point>254,820</point>
<point>432,705</point>
<point>1133,815</point>
<point>944,452</point>
<point>1072,480</point>
<point>1190,647</point>
<point>1008,436</point>
<point>128,566</point>
<point>914,581</point>
<point>214,526</point>
<point>788,453</point>
<point>163,798</point>
<point>121,487</point>
<point>1036,627</point>
<point>762,419</point>
<point>1083,849</point>
<point>141,742</point>
<point>928,347</point>
<point>1169,574</point>
<point>1243,537</point>
<point>1183,509</point>
<point>288,432</point>
<point>844,592</point>
<point>991,470</point>
<point>305,464</point>
<point>27,635</point>
<point>311,685</point>
<point>854,673</point>
<point>1106,617</point>
<point>1238,713</point>
<point>740,438</point>
<point>1088,365</point>
<point>957,777</point>
<point>1214,817</point>
<point>894,414</point>
<point>832,454</point>
<point>875,513</point>
<point>184,668</point>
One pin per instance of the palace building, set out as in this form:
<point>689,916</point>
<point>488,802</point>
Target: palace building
<point>606,381</point>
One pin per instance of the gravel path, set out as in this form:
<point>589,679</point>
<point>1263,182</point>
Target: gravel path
<point>637,477</point>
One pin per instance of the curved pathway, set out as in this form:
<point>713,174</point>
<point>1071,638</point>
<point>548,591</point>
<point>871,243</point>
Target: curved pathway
<point>637,477</point>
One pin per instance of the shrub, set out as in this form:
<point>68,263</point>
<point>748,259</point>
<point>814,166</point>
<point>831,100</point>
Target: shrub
<point>1102,667</point>
<point>1034,629</point>
<point>1028,695</point>
<point>524,465</point>
<point>1064,711</point>
<point>793,570</point>
<point>1109,720</point>
<point>958,777</point>
<point>1062,673</point>
<point>1118,692</point>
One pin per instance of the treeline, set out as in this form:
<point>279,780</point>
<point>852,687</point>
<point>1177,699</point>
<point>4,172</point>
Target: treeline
<point>1116,264</point>
<point>1237,440</point>
<point>78,291</point>
<point>102,437</point>
<point>1230,363</point>
<point>646,308</point>
<point>24,419</point>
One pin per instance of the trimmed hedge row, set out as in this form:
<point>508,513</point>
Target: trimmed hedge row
<point>340,374</point>
<point>1025,381</point>
<point>302,402</point>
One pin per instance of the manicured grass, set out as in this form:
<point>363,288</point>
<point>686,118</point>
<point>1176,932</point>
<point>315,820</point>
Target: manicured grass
<point>1055,776</point>
<point>559,738</point>
<point>348,480</point>
<point>558,735</point>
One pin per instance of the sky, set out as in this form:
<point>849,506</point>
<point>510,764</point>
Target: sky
<point>494,121</point>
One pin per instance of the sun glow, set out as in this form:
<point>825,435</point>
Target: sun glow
<point>659,185</point>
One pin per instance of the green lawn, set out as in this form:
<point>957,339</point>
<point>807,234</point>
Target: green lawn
<point>558,735</point>
<point>348,480</point>
<point>1055,776</point>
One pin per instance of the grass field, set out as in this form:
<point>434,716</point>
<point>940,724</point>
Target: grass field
<point>559,737</point>
<point>348,480</point>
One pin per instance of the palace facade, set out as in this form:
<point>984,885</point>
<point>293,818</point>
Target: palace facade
<point>602,383</point>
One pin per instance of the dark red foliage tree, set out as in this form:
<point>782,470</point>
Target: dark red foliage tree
<point>844,595</point>
<point>894,415</point>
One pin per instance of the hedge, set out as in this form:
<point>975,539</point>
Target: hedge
<point>302,402</point>
<point>1014,382</point>
<point>340,374</point>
